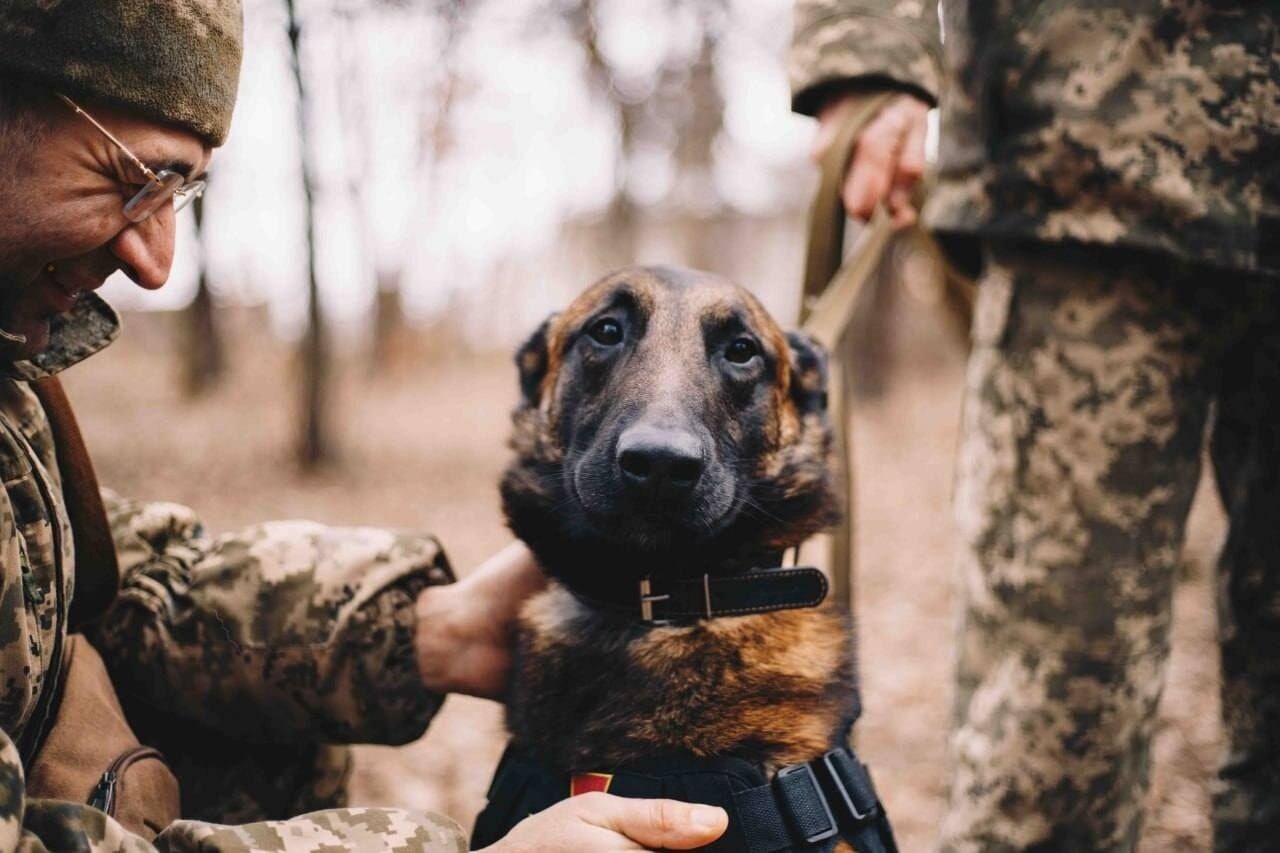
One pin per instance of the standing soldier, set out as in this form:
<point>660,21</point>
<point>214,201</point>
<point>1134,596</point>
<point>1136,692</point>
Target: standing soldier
<point>246,654</point>
<point>1114,167</point>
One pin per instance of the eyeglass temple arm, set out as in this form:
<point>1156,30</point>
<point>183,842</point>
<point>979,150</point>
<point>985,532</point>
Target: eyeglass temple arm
<point>109,135</point>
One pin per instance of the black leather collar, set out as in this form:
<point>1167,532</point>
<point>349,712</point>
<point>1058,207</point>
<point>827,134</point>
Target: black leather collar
<point>662,601</point>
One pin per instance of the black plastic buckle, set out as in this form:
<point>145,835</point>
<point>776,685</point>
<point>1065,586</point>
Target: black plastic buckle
<point>798,789</point>
<point>851,784</point>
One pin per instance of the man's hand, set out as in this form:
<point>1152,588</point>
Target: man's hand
<point>596,823</point>
<point>463,637</point>
<point>889,160</point>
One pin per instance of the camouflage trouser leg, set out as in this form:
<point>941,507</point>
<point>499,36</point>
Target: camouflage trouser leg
<point>1087,396</point>
<point>1246,461</point>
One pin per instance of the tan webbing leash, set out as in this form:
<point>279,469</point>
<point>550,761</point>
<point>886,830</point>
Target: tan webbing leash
<point>833,294</point>
<point>831,289</point>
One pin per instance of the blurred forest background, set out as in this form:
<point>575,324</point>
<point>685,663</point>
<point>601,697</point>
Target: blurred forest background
<point>410,187</point>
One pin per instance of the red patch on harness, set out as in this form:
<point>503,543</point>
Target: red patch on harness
<point>585,783</point>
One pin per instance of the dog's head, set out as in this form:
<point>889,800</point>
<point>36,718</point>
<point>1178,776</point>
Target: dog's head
<point>667,426</point>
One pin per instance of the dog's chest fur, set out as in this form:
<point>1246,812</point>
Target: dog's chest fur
<point>593,691</point>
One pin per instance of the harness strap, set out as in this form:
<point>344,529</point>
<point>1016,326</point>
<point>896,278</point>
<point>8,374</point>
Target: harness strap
<point>807,805</point>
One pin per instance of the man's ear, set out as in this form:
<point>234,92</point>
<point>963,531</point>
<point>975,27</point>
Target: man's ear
<point>532,361</point>
<point>808,373</point>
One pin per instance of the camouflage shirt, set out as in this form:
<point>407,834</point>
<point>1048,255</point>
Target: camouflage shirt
<point>1152,124</point>
<point>288,632</point>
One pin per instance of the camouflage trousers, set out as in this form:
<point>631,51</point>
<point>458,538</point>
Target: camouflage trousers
<point>1088,396</point>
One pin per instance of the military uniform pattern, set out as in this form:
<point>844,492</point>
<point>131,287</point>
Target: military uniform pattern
<point>1148,123</point>
<point>271,644</point>
<point>1088,395</point>
<point>897,42</point>
<point>48,825</point>
<point>322,832</point>
<point>1146,131</point>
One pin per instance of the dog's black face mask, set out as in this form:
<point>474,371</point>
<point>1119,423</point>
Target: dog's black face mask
<point>667,427</point>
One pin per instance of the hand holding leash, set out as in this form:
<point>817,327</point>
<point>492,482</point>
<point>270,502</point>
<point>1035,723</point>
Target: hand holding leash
<point>889,160</point>
<point>603,823</point>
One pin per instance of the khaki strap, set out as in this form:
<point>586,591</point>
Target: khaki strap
<point>97,572</point>
<point>831,289</point>
<point>825,254</point>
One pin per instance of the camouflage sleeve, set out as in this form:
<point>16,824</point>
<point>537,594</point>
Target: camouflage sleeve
<point>892,43</point>
<point>287,632</point>
<point>35,826</point>
<point>335,829</point>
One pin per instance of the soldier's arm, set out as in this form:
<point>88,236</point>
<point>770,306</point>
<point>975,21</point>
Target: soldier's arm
<point>55,826</point>
<point>869,45</point>
<point>286,632</point>
<point>846,50</point>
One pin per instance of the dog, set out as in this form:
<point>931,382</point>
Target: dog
<point>670,444</point>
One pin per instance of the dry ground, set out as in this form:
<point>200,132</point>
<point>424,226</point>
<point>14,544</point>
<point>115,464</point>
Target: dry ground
<point>423,444</point>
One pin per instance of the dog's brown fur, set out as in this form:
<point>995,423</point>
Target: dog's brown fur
<point>593,689</point>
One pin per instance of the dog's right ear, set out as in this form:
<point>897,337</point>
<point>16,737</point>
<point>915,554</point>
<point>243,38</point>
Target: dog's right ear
<point>532,361</point>
<point>808,372</point>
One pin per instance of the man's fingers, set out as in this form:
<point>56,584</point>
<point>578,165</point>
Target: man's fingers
<point>910,166</point>
<point>874,164</point>
<point>656,824</point>
<point>889,160</point>
<point>902,211</point>
<point>911,162</point>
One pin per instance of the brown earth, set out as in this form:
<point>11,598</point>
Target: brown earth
<point>423,443</point>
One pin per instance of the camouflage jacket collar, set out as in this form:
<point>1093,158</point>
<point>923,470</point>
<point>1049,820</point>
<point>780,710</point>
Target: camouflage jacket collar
<point>73,337</point>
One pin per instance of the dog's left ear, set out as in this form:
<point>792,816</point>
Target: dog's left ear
<point>808,373</point>
<point>532,361</point>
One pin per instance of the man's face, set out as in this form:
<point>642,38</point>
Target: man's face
<point>62,226</point>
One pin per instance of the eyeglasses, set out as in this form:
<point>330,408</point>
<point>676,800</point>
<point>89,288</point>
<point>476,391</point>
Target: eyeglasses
<point>161,186</point>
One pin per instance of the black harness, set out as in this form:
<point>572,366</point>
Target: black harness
<point>804,807</point>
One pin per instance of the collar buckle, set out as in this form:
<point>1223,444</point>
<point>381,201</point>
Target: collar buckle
<point>647,599</point>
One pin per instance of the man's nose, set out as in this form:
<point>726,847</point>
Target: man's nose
<point>660,461</point>
<point>145,249</point>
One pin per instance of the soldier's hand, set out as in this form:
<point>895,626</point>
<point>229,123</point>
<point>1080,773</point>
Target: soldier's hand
<point>464,635</point>
<point>598,822</point>
<point>889,160</point>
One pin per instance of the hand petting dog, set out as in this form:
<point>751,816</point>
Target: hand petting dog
<point>603,823</point>
<point>465,630</point>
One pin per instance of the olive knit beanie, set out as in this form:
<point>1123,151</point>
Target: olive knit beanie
<point>175,61</point>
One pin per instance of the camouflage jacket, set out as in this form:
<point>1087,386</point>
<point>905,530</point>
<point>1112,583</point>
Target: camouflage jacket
<point>286,633</point>
<point>1144,123</point>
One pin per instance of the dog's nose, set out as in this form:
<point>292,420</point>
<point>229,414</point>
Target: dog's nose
<point>660,462</point>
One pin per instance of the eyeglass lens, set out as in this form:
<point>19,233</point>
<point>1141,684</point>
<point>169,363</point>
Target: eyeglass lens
<point>153,196</point>
<point>186,194</point>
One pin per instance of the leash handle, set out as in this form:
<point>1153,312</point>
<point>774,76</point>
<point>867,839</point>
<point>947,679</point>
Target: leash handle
<point>825,251</point>
<point>829,300</point>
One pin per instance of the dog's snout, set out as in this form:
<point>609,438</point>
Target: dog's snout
<point>660,462</point>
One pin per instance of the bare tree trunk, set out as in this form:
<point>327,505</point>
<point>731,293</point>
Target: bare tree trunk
<point>389,327</point>
<point>315,443</point>
<point>203,361</point>
<point>703,108</point>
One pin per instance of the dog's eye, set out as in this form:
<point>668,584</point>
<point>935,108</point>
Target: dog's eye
<point>606,332</point>
<point>742,350</point>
